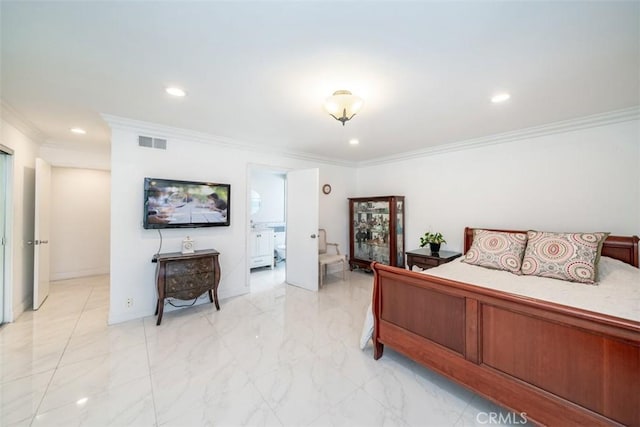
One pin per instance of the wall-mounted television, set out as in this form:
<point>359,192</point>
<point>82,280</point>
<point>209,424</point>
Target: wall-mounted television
<point>169,203</point>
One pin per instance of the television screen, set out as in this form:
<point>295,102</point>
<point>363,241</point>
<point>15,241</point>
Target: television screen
<point>170,203</point>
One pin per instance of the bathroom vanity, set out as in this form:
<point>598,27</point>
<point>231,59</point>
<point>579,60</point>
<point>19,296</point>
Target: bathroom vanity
<point>261,248</point>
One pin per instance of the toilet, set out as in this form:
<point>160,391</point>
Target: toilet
<point>281,250</point>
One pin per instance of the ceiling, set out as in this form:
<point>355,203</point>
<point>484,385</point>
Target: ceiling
<point>258,72</point>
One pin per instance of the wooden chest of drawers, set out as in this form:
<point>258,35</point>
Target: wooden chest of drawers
<point>187,276</point>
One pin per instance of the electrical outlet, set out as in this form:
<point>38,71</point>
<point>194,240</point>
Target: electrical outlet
<point>129,302</point>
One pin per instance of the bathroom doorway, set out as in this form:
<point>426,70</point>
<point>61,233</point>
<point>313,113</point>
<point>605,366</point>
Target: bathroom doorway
<point>267,228</point>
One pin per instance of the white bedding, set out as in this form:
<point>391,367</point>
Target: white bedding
<point>617,292</point>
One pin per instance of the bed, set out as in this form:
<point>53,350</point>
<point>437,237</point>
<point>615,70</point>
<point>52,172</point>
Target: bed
<point>559,364</point>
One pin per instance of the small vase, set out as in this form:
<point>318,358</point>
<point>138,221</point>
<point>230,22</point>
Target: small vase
<point>435,247</point>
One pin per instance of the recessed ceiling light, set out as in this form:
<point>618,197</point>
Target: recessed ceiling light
<point>354,141</point>
<point>501,97</point>
<point>175,91</point>
<point>79,131</point>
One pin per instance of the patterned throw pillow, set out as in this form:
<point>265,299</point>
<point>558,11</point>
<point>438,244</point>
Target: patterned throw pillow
<point>565,256</point>
<point>497,250</point>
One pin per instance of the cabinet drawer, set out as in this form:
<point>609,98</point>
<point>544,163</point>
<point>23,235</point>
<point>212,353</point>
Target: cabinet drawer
<point>191,266</point>
<point>259,261</point>
<point>426,262</point>
<point>423,263</point>
<point>188,294</point>
<point>189,282</point>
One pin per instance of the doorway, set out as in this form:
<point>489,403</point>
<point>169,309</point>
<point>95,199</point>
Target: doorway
<point>294,220</point>
<point>267,228</point>
<point>4,190</point>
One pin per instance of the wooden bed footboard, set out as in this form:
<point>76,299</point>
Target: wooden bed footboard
<point>559,365</point>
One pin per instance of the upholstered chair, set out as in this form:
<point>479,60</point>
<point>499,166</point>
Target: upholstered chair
<point>325,258</point>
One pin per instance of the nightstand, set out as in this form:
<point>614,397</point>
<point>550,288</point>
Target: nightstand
<point>424,259</point>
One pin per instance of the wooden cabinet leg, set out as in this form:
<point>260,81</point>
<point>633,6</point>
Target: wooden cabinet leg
<point>215,298</point>
<point>160,311</point>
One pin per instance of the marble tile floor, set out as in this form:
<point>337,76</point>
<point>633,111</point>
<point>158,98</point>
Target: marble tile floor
<point>279,356</point>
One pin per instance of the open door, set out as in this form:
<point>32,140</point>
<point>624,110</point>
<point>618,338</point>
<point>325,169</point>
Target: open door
<point>3,238</point>
<point>302,228</point>
<point>41,238</point>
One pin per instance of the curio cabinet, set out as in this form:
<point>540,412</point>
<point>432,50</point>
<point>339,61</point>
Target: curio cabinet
<point>376,231</point>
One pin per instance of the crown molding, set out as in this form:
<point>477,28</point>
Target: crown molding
<point>77,146</point>
<point>586,122</point>
<point>17,120</point>
<point>169,132</point>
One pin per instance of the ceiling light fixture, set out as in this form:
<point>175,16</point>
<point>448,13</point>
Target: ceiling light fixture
<point>354,141</point>
<point>175,91</point>
<point>501,97</point>
<point>78,131</point>
<point>343,105</point>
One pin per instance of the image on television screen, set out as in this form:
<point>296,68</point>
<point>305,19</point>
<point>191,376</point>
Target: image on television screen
<point>175,204</point>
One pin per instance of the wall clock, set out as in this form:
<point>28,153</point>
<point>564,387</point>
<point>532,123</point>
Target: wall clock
<point>326,189</point>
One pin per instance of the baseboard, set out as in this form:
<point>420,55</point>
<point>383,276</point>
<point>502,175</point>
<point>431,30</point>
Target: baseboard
<point>64,275</point>
<point>22,307</point>
<point>126,315</point>
<point>230,293</point>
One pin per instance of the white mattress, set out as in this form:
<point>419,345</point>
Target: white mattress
<point>617,292</point>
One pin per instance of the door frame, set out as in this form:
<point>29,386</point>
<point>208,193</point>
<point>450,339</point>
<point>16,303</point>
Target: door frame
<point>253,167</point>
<point>7,272</point>
<point>42,230</point>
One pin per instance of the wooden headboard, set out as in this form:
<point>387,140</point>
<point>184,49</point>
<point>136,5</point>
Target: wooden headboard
<point>623,248</point>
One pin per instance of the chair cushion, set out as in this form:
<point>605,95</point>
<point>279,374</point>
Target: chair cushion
<point>330,258</point>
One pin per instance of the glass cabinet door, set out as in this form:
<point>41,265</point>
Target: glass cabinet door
<point>399,233</point>
<point>371,228</point>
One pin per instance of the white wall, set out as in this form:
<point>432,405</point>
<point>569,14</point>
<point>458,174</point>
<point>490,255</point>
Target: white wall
<point>22,203</point>
<point>201,159</point>
<point>80,215</point>
<point>89,155</point>
<point>334,207</point>
<point>585,180</point>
